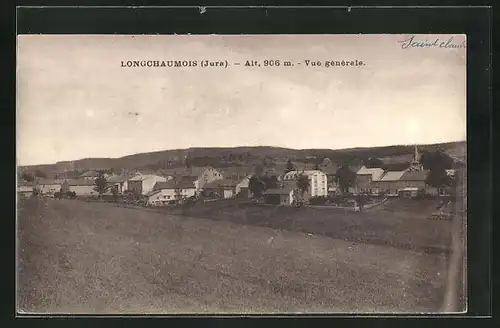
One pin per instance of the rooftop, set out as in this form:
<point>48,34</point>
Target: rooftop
<point>51,181</point>
<point>141,177</point>
<point>409,189</point>
<point>330,169</point>
<point>25,184</point>
<point>376,173</point>
<point>173,184</point>
<point>220,183</point>
<point>415,175</point>
<point>306,172</point>
<point>119,178</point>
<point>392,176</point>
<point>183,171</point>
<point>278,191</point>
<point>236,171</point>
<point>89,174</point>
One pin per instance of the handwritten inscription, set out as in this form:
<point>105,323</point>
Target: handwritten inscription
<point>450,43</point>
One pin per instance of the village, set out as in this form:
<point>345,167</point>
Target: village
<point>323,183</point>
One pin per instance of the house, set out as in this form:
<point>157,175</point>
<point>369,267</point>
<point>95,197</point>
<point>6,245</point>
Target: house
<point>25,189</point>
<point>280,196</point>
<point>409,192</point>
<point>89,175</point>
<point>205,175</point>
<point>202,175</point>
<point>364,178</point>
<point>143,183</point>
<point>326,162</point>
<point>388,183</point>
<point>236,172</point>
<point>276,170</point>
<point>171,191</point>
<point>81,187</point>
<point>223,188</point>
<point>49,186</point>
<point>331,176</point>
<point>318,184</point>
<point>417,179</point>
<point>242,187</point>
<point>120,182</point>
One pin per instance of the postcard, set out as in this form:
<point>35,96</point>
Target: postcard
<point>241,174</point>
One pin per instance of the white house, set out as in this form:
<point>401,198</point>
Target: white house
<point>81,187</point>
<point>49,186</point>
<point>144,183</point>
<point>318,185</point>
<point>25,189</point>
<point>242,185</point>
<point>170,192</point>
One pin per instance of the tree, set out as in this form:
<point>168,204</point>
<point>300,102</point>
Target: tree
<point>437,162</point>
<point>289,166</point>
<point>439,178</point>
<point>303,182</point>
<point>303,186</point>
<point>259,168</point>
<point>114,191</point>
<point>345,178</point>
<point>28,177</point>
<point>270,181</point>
<point>256,186</point>
<point>361,200</point>
<point>101,184</point>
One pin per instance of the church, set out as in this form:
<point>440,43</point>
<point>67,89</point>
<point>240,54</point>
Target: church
<point>407,182</point>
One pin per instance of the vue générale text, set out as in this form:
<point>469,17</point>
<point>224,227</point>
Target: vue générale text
<point>244,63</point>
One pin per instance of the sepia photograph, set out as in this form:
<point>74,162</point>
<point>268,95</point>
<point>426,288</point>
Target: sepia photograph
<point>241,174</point>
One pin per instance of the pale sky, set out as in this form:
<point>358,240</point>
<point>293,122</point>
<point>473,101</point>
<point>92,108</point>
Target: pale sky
<point>74,100</point>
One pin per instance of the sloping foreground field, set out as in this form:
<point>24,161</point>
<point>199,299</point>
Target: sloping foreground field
<point>77,257</point>
<point>399,223</point>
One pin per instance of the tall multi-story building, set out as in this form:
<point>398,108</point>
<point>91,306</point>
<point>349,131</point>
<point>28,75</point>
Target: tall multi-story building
<point>318,185</point>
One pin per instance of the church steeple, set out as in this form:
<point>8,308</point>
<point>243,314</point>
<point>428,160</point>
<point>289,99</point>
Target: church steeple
<point>415,163</point>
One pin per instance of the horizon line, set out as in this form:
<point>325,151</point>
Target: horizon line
<point>243,146</point>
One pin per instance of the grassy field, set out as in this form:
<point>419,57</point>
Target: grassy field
<point>400,223</point>
<point>77,257</point>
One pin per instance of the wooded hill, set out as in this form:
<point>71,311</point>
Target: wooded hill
<point>242,156</point>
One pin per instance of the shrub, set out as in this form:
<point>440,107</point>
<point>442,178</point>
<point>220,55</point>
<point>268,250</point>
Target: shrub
<point>70,194</point>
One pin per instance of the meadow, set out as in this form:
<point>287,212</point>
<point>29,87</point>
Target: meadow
<point>77,257</point>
